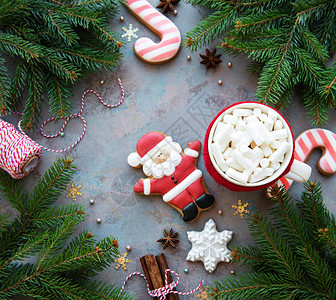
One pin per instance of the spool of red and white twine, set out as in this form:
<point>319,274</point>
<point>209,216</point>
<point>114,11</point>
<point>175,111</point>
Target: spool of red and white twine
<point>19,154</point>
<point>165,290</point>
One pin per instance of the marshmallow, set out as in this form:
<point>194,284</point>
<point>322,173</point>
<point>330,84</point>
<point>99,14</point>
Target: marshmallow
<point>277,125</point>
<point>275,166</point>
<point>234,164</point>
<point>260,172</point>
<point>264,132</point>
<point>222,132</point>
<point>241,177</point>
<point>224,144</point>
<point>241,159</point>
<point>245,150</point>
<point>272,114</point>
<point>266,149</point>
<point>264,163</point>
<point>254,165</point>
<point>219,157</point>
<point>240,124</point>
<point>252,130</point>
<point>249,145</point>
<point>251,118</point>
<point>280,152</point>
<point>279,134</point>
<point>243,112</point>
<point>215,149</point>
<point>231,119</point>
<point>257,111</point>
<point>256,154</point>
<point>268,122</point>
<point>227,153</point>
<point>253,178</point>
<point>275,144</point>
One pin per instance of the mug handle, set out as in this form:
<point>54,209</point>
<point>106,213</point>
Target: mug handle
<point>299,171</point>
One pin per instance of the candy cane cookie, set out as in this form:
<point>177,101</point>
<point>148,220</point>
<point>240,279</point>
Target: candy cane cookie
<point>305,143</point>
<point>145,48</point>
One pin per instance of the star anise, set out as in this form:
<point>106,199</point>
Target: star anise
<point>167,4</point>
<point>210,59</point>
<point>169,239</point>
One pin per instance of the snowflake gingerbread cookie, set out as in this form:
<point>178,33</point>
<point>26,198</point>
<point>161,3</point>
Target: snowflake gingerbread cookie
<point>171,173</point>
<point>209,246</point>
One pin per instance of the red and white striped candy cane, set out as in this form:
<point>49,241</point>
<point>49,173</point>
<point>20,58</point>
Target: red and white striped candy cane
<point>305,143</point>
<point>170,35</point>
<point>165,290</point>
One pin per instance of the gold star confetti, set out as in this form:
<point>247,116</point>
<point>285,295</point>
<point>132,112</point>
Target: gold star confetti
<point>203,294</point>
<point>240,209</point>
<point>73,191</point>
<point>122,261</point>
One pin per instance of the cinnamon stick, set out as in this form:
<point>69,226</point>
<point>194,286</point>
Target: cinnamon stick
<point>161,260</point>
<point>146,273</point>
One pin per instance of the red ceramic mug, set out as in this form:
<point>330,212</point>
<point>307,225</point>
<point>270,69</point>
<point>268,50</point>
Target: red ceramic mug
<point>289,167</point>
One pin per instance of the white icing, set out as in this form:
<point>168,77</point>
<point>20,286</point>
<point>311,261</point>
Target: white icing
<point>209,246</point>
<point>191,152</point>
<point>146,183</point>
<point>134,159</point>
<point>146,12</point>
<point>178,189</point>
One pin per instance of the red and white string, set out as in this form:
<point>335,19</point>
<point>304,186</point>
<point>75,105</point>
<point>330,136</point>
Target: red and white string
<point>74,116</point>
<point>17,149</point>
<point>168,288</point>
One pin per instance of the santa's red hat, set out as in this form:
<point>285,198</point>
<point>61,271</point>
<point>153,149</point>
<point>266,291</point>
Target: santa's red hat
<point>149,144</point>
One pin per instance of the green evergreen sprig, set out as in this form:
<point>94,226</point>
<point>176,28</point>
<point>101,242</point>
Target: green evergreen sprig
<point>290,42</point>
<point>56,267</point>
<point>294,252</point>
<point>53,43</point>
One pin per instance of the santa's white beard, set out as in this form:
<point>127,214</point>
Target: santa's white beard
<point>167,168</point>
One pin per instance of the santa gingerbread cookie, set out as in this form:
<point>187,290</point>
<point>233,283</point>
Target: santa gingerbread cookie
<point>171,173</point>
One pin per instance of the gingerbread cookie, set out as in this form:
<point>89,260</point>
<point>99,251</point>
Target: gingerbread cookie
<point>305,143</point>
<point>171,173</point>
<point>145,48</point>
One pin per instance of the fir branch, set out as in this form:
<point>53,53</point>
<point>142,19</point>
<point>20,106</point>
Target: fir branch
<point>39,232</point>
<point>31,111</point>
<point>290,40</point>
<point>18,82</point>
<point>275,245</point>
<point>209,29</point>
<point>311,257</point>
<point>59,94</point>
<point>50,187</point>
<point>4,79</point>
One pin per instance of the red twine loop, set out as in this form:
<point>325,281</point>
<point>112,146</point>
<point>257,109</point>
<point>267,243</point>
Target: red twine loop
<point>19,154</point>
<point>162,292</point>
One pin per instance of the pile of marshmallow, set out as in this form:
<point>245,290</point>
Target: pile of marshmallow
<point>249,145</point>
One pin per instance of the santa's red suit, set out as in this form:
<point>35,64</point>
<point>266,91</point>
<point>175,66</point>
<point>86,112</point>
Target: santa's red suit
<point>183,189</point>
